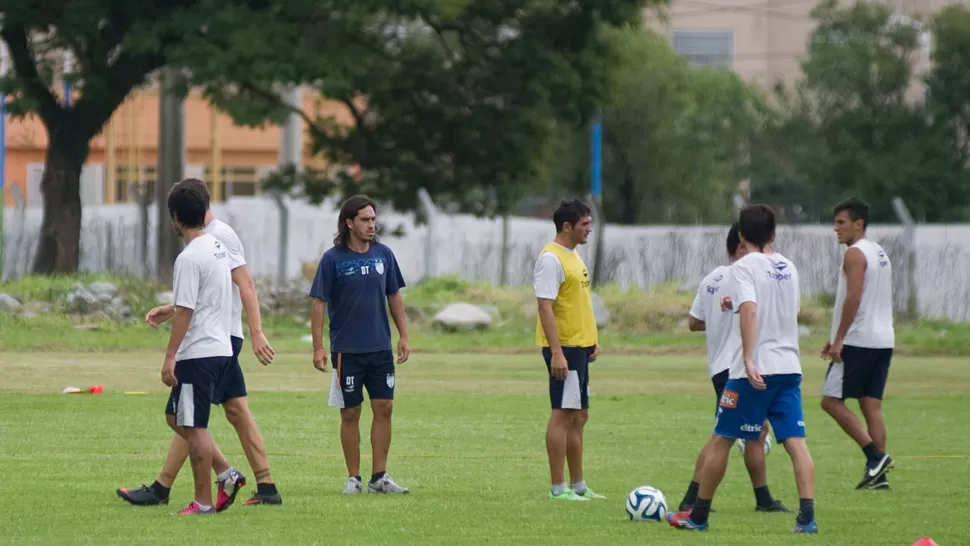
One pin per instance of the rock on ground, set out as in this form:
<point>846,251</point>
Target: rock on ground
<point>463,315</point>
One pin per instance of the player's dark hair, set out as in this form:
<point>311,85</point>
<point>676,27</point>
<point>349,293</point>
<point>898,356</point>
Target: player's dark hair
<point>571,212</point>
<point>187,205</point>
<point>857,209</point>
<point>349,211</point>
<point>199,186</point>
<point>756,224</point>
<point>733,240</point>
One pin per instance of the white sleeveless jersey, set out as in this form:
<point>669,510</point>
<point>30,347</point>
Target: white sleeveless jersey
<point>873,324</point>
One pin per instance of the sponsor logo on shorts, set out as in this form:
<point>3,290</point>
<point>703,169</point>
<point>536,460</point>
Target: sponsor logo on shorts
<point>390,381</point>
<point>750,428</point>
<point>801,424</point>
<point>729,399</point>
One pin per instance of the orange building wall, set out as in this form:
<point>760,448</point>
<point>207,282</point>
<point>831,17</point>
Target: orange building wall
<point>135,128</point>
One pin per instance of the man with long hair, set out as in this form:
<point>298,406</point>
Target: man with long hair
<point>356,281</point>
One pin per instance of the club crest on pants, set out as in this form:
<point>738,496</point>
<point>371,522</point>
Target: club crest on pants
<point>390,381</point>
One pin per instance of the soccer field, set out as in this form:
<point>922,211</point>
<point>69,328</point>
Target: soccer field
<point>469,442</point>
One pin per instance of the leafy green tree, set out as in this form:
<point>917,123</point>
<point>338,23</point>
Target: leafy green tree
<point>116,46</point>
<point>676,139</point>
<point>949,86</point>
<point>461,99</point>
<point>855,125</point>
<point>454,96</point>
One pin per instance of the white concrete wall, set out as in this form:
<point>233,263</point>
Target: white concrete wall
<point>470,247</point>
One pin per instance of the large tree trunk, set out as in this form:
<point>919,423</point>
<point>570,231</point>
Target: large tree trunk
<point>59,248</point>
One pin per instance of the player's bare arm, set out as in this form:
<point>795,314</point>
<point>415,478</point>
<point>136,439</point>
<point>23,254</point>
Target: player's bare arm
<point>250,302</point>
<point>180,325</point>
<point>749,337</point>
<point>695,325</point>
<point>318,309</point>
<point>395,302</point>
<point>854,267</point>
<point>559,368</point>
<point>159,315</point>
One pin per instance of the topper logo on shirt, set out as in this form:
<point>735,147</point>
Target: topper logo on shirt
<point>883,261</point>
<point>778,272</point>
<point>219,254</point>
<point>713,288</point>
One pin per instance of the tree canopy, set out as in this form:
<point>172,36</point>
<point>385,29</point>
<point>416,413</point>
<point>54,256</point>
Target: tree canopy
<point>456,97</point>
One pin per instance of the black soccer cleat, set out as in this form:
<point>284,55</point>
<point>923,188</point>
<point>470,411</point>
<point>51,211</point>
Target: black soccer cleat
<point>881,484</point>
<point>258,498</point>
<point>775,506</point>
<point>875,472</point>
<point>143,496</point>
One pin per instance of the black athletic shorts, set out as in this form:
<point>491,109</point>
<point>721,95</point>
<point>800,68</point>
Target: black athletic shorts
<point>572,392</point>
<point>861,374</point>
<point>193,396</point>
<point>232,384</point>
<point>354,372</point>
<point>719,381</point>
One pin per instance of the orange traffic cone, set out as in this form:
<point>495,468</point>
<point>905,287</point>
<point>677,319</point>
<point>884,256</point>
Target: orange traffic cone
<point>925,541</point>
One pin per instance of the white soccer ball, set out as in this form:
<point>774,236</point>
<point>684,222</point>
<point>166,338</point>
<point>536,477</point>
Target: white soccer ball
<point>646,503</point>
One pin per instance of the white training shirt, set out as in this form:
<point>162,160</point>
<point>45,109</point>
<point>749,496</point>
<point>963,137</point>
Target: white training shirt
<point>549,275</point>
<point>203,283</point>
<point>237,258</point>
<point>720,328</point>
<point>873,324</point>
<point>771,282</point>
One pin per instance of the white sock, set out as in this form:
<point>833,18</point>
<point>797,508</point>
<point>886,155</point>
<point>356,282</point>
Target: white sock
<point>225,474</point>
<point>558,488</point>
<point>205,508</point>
<point>579,487</point>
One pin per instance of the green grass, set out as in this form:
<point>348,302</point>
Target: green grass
<point>642,322</point>
<point>468,440</point>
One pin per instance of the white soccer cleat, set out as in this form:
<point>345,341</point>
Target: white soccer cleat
<point>353,486</point>
<point>387,486</point>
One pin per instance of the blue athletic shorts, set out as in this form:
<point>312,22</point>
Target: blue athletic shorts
<point>743,409</point>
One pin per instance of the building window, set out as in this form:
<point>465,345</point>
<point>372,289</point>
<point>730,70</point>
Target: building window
<point>140,174</point>
<point>237,181</point>
<point>705,48</point>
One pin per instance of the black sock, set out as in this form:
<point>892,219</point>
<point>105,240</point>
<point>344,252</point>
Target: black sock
<point>160,490</point>
<point>701,510</point>
<point>358,478</point>
<point>266,489</point>
<point>763,497</point>
<point>806,511</point>
<point>376,476</point>
<point>691,497</point>
<point>873,453</point>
